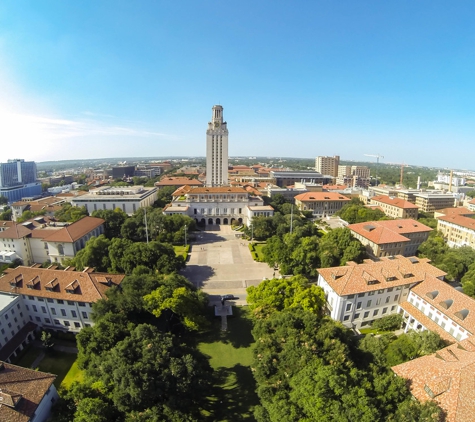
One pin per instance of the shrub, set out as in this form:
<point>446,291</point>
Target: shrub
<point>388,323</point>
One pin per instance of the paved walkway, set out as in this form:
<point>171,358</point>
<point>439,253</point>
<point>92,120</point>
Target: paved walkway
<point>220,263</point>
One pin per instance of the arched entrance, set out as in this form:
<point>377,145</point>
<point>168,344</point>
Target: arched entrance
<point>203,222</point>
<point>240,220</point>
<point>210,221</point>
<point>218,221</point>
<point>225,221</point>
<point>233,220</point>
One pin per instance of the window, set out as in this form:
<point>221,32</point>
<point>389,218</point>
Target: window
<point>31,297</point>
<point>60,301</point>
<point>387,299</point>
<point>38,319</point>
<point>27,307</point>
<point>49,300</point>
<point>384,310</point>
<point>34,308</point>
<point>53,311</point>
<point>357,316</point>
<point>81,304</point>
<point>393,308</point>
<point>48,321</point>
<point>84,315</point>
<point>361,294</point>
<point>378,301</point>
<point>63,312</point>
<point>77,325</point>
<point>351,296</point>
<point>346,318</point>
<point>70,303</point>
<point>56,321</point>
<point>370,293</point>
<point>348,307</point>
<point>40,299</point>
<point>66,323</point>
<point>366,315</point>
<point>43,309</point>
<point>390,289</point>
<point>380,291</point>
<point>396,298</point>
<point>375,312</point>
<point>368,304</point>
<point>358,305</point>
<point>74,314</point>
<point>87,325</point>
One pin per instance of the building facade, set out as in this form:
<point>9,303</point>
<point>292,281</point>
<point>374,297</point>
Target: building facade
<point>458,230</point>
<point>217,149</point>
<point>391,237</point>
<point>395,207</point>
<point>322,204</point>
<point>128,199</point>
<point>18,180</point>
<point>357,295</point>
<point>429,202</point>
<point>327,165</point>
<point>217,205</point>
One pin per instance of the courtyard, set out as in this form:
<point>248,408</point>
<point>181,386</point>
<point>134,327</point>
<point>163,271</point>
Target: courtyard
<point>221,263</point>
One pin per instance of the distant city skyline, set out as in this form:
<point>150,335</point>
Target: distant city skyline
<point>89,79</point>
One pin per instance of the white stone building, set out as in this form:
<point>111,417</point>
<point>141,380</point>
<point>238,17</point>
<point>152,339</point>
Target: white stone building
<point>128,198</point>
<point>357,295</point>
<point>217,205</point>
<point>217,149</point>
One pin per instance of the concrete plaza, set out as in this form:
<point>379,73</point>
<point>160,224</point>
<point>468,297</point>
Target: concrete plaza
<point>221,263</point>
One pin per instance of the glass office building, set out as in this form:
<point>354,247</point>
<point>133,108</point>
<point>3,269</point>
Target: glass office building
<point>18,180</point>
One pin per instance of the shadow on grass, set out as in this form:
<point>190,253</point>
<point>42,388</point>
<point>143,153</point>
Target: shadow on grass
<point>233,397</point>
<point>238,333</point>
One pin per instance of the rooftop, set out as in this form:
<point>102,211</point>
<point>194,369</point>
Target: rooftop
<point>446,377</point>
<point>58,284</point>
<point>388,231</point>
<point>21,391</point>
<point>395,202</point>
<point>376,275</point>
<point>459,220</point>
<point>321,196</point>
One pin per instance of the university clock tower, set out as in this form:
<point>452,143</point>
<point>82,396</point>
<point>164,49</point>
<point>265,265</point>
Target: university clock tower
<point>217,149</point>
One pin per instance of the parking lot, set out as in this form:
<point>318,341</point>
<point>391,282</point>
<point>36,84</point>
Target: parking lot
<point>220,263</point>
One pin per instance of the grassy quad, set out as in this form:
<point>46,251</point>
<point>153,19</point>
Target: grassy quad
<point>230,355</point>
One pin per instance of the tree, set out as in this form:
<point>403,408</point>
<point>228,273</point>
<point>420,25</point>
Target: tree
<point>3,200</point>
<point>164,196</point>
<point>338,247</point>
<point>113,221</point>
<point>388,322</point>
<point>468,281</point>
<point>357,212</point>
<point>186,302</point>
<point>457,261</point>
<point>433,248</point>
<point>95,254</point>
<point>71,214</point>
<point>46,340</point>
<point>279,294</point>
<point>6,215</point>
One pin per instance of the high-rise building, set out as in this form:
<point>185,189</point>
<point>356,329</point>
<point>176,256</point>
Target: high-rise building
<point>327,165</point>
<point>18,180</point>
<point>217,149</point>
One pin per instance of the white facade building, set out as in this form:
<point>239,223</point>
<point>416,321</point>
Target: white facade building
<point>217,149</point>
<point>128,199</point>
<point>357,295</point>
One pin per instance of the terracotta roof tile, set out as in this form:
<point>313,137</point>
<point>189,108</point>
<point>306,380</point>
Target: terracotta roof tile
<point>393,201</point>
<point>55,283</point>
<point>446,292</point>
<point>24,386</point>
<point>76,230</point>
<point>446,377</point>
<point>375,275</point>
<point>388,231</point>
<point>459,220</point>
<point>321,196</point>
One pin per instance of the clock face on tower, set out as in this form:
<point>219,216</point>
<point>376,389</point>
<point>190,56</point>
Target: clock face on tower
<point>217,124</point>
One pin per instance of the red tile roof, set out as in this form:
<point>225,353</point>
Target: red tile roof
<point>91,286</point>
<point>445,292</point>
<point>76,230</point>
<point>22,390</point>
<point>321,196</point>
<point>446,377</point>
<point>388,231</point>
<point>375,275</point>
<point>393,201</point>
<point>458,220</point>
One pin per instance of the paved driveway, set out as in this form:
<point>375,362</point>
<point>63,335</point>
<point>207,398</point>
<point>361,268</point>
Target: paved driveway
<point>220,263</point>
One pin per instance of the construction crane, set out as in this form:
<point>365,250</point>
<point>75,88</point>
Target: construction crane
<point>377,156</point>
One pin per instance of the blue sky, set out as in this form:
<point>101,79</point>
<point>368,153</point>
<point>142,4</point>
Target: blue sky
<point>90,79</point>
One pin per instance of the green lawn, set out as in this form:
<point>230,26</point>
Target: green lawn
<point>59,363</point>
<point>258,249</point>
<point>230,356</point>
<point>74,374</point>
<point>374,331</point>
<point>181,251</point>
